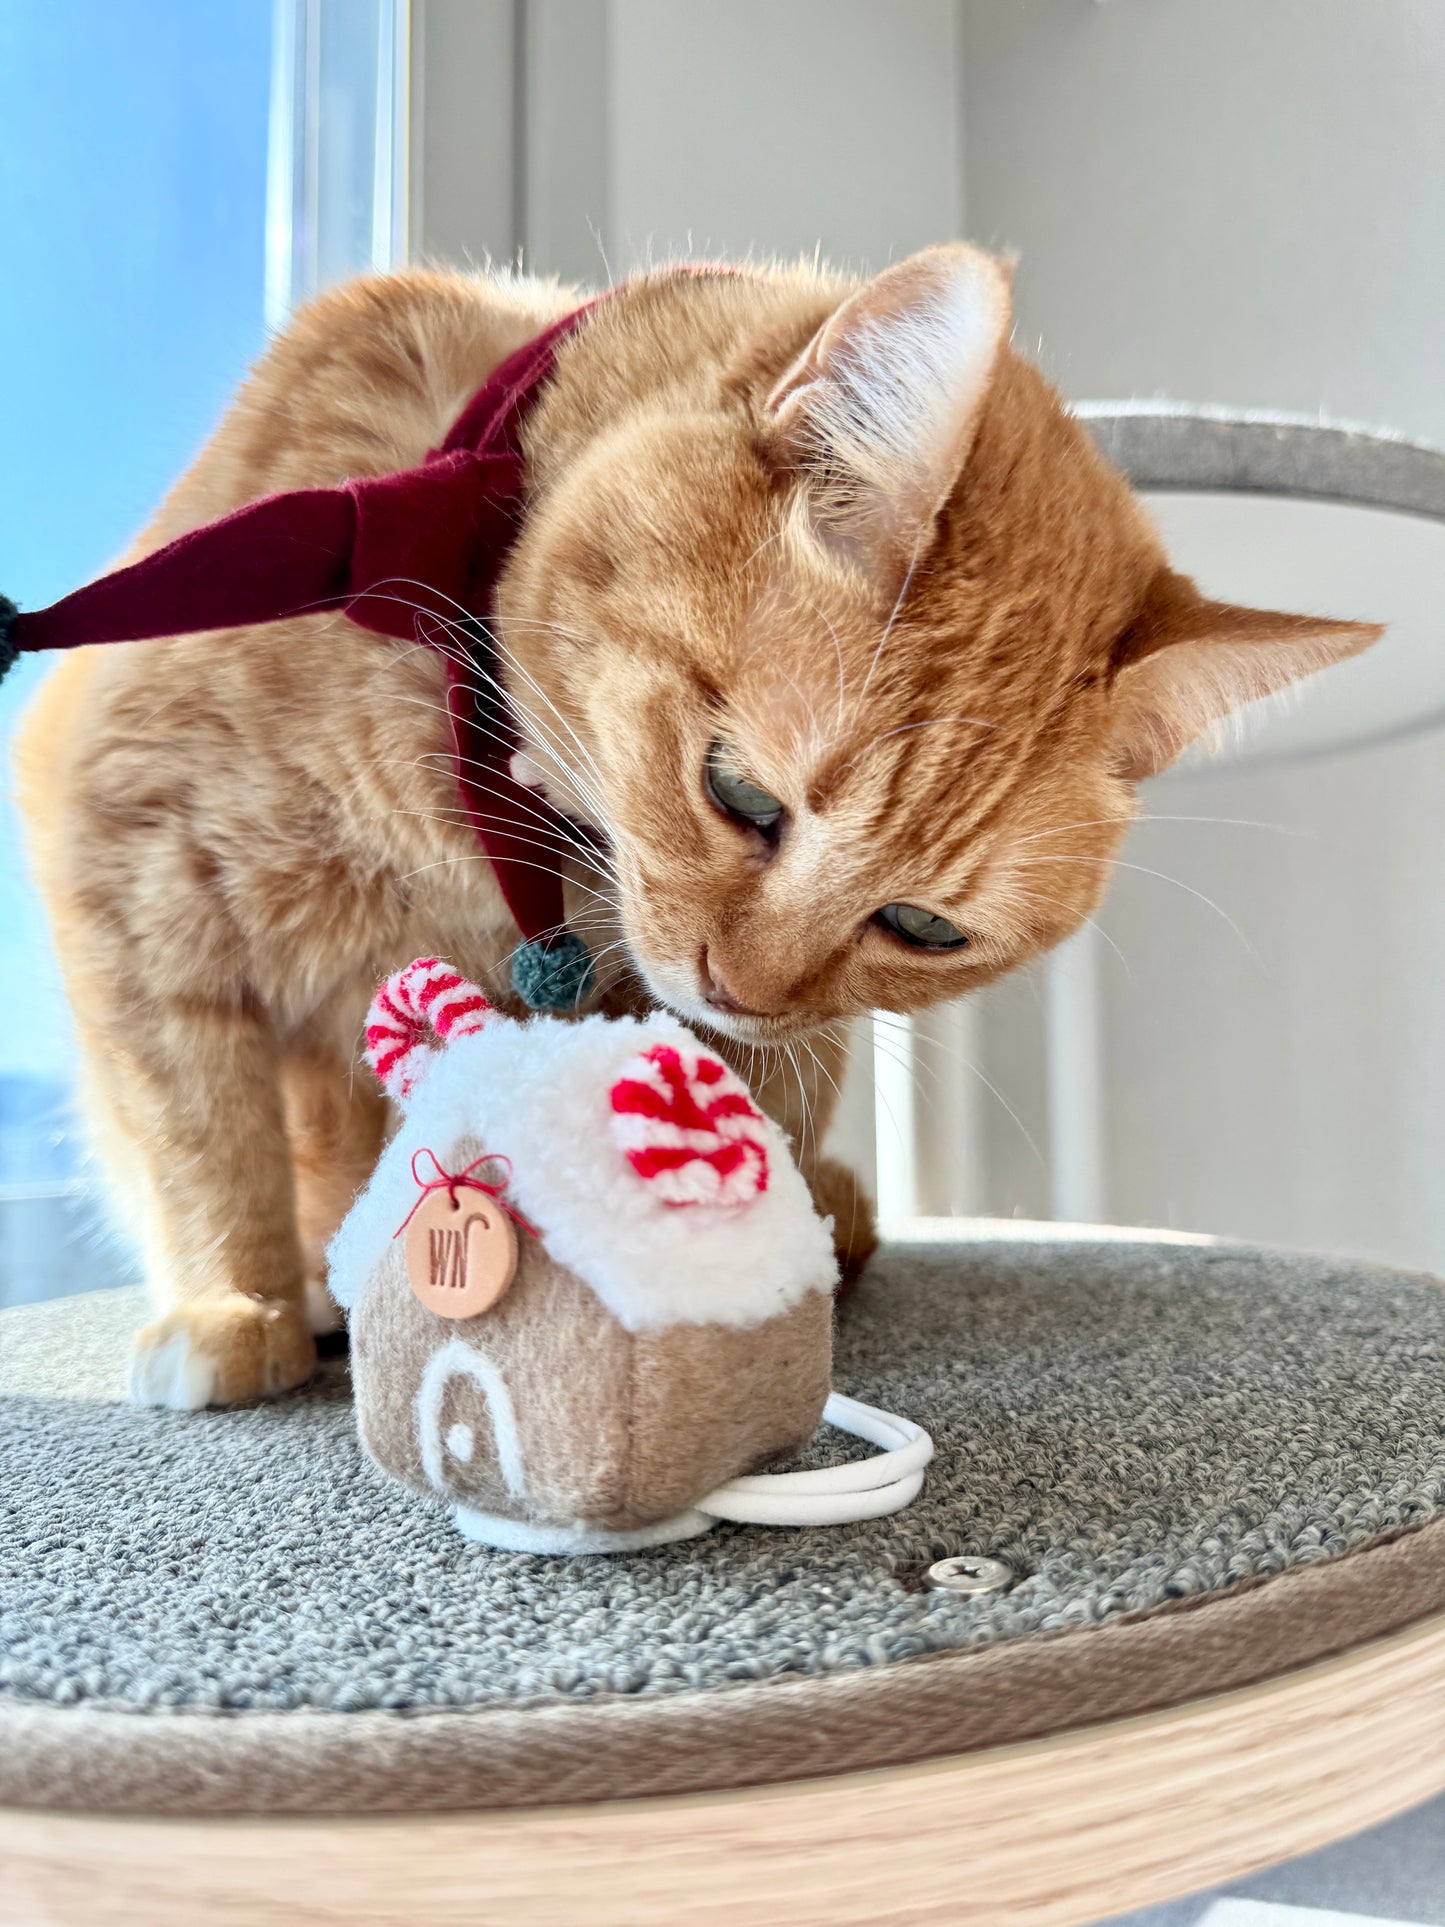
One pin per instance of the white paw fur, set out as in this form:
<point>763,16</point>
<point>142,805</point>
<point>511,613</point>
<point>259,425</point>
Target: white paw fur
<point>174,1375</point>
<point>323,1314</point>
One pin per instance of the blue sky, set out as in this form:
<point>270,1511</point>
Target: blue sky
<point>132,217</point>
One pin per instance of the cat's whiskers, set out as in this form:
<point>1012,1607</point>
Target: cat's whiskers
<point>808,1045</point>
<point>1089,923</point>
<point>954,1048</point>
<point>807,1096</point>
<point>922,1077</point>
<point>1142,869</point>
<point>556,842</point>
<point>899,600</point>
<point>600,957</point>
<point>772,1059</point>
<point>820,1070</point>
<point>474,856</point>
<point>827,621</point>
<point>929,1096</point>
<point>542,808</point>
<point>880,1098</point>
<point>1151,816</point>
<point>464,660</point>
<point>546,846</point>
<point>452,759</point>
<point>587,781</point>
<point>560,833</point>
<point>787,1057</point>
<point>509,657</point>
<point>901,1049</point>
<point>568,749</point>
<point>464,623</point>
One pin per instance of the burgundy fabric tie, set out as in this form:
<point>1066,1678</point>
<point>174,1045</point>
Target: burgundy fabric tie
<point>403,555</point>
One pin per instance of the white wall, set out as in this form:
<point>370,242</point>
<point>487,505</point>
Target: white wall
<point>781,126</point>
<point>1287,1083</point>
<point>1243,201</point>
<point>666,128</point>
<point>1230,200</point>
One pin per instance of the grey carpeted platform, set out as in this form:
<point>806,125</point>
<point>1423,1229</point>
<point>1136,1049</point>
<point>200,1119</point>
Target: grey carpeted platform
<point>1129,1425</point>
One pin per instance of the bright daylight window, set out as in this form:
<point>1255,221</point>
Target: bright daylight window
<point>174,177</point>
<point>133,205</point>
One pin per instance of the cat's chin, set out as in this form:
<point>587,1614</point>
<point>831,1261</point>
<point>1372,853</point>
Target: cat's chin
<point>699,1015</point>
<point>742,1030</point>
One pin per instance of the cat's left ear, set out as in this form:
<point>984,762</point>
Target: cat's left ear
<point>1185,663</point>
<point>879,411</point>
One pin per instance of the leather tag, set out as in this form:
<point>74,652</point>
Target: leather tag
<point>461,1252</point>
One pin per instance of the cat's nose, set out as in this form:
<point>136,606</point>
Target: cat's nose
<point>715,990</point>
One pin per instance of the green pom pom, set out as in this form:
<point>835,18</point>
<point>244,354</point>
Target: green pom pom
<point>552,979</point>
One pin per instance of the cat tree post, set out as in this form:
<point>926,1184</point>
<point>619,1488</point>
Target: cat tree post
<point>1078,1176</point>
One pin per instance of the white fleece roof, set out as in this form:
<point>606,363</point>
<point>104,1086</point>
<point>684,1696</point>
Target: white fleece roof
<point>540,1092</point>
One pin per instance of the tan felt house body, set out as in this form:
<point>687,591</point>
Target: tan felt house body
<point>668,1323</point>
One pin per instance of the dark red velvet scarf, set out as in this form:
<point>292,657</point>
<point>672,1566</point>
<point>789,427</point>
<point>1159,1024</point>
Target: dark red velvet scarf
<point>415,555</point>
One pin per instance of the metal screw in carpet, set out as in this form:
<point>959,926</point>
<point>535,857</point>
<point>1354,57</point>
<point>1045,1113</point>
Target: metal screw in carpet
<point>967,1574</point>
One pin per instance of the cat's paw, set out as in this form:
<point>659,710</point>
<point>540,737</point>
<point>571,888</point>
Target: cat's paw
<point>218,1350</point>
<point>323,1314</point>
<point>839,1196</point>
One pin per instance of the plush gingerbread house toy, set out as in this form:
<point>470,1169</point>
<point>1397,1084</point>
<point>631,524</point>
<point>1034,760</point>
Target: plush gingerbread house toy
<point>589,1294</point>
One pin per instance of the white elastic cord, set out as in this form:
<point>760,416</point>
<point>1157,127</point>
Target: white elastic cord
<point>520,1535</point>
<point>837,1494</point>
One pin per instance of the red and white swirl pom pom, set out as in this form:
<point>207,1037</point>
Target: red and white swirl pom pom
<point>418,1007</point>
<point>688,1126</point>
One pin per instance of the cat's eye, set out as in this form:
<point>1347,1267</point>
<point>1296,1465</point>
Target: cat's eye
<point>736,797</point>
<point>921,928</point>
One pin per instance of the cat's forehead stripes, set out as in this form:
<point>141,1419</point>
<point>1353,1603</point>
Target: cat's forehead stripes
<point>860,845</point>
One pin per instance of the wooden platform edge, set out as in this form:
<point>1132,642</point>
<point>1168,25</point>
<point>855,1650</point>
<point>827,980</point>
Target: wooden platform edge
<point>1047,1833</point>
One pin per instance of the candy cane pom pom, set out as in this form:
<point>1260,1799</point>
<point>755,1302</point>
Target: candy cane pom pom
<point>688,1128</point>
<point>427,1001</point>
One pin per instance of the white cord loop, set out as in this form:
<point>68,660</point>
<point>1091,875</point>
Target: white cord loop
<point>837,1494</point>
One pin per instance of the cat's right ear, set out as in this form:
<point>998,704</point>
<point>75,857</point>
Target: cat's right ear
<point>1186,662</point>
<point>879,411</point>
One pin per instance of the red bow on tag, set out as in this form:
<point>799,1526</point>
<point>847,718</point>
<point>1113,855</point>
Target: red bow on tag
<point>453,1181</point>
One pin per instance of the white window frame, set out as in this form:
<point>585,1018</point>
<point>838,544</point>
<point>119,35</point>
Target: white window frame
<point>335,205</point>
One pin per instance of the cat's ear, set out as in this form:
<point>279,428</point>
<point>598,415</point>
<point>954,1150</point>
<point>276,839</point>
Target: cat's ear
<point>879,410</point>
<point>1185,663</point>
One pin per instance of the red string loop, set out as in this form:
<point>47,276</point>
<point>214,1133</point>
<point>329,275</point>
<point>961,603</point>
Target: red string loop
<point>453,1181</point>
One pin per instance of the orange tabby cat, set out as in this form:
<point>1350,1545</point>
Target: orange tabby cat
<point>825,614</point>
